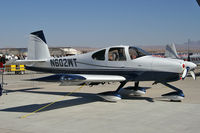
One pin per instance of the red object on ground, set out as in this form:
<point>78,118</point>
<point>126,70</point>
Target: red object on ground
<point>1,65</point>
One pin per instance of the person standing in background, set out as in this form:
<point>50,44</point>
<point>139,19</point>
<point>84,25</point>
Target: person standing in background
<point>3,59</point>
<point>1,64</point>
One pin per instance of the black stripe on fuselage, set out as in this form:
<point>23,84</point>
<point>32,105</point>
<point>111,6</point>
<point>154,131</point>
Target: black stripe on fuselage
<point>129,74</point>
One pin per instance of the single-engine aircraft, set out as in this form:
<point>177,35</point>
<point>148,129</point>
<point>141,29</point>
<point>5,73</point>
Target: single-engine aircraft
<point>112,64</point>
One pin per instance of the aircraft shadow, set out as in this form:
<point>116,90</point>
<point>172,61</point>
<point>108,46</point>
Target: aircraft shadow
<point>138,98</point>
<point>81,98</point>
<point>58,105</point>
<point>23,90</point>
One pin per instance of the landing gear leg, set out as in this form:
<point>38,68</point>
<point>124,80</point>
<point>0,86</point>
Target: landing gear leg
<point>177,95</point>
<point>136,85</point>
<point>133,90</point>
<point>120,86</point>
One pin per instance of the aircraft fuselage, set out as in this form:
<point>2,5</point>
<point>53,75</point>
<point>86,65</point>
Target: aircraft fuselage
<point>144,68</point>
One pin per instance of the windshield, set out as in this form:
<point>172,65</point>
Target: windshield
<point>135,52</point>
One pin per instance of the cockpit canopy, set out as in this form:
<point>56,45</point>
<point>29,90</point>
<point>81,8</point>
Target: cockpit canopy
<point>119,53</point>
<point>116,54</point>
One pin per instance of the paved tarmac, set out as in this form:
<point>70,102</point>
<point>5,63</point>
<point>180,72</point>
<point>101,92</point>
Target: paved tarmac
<point>83,111</point>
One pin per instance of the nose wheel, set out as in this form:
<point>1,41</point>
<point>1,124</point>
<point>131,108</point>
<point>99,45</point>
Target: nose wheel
<point>175,96</point>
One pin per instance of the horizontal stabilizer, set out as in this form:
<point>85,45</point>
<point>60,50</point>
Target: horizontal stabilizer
<point>23,62</point>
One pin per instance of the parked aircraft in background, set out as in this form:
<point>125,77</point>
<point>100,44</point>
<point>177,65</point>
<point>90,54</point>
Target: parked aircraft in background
<point>112,64</point>
<point>171,52</point>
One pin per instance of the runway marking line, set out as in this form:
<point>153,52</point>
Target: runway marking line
<point>68,94</point>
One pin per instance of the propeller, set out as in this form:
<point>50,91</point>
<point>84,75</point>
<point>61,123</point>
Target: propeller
<point>193,75</point>
<point>185,72</point>
<point>189,68</point>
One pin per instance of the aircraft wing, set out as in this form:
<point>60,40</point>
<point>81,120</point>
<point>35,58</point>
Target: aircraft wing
<point>78,79</point>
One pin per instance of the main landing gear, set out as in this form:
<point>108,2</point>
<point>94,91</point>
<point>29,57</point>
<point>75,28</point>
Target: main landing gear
<point>113,96</point>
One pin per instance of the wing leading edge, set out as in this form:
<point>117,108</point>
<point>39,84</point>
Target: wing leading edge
<point>78,79</point>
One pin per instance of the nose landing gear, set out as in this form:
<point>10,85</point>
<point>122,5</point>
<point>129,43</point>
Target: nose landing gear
<point>175,96</point>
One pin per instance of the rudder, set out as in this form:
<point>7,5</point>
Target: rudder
<point>38,49</point>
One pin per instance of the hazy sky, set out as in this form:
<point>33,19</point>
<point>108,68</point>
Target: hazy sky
<point>99,23</point>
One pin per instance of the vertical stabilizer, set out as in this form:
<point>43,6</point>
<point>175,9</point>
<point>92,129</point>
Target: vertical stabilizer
<point>38,49</point>
<point>170,51</point>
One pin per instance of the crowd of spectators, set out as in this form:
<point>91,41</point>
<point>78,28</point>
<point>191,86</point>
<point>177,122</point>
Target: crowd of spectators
<point>5,58</point>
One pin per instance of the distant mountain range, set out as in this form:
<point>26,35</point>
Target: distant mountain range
<point>194,46</point>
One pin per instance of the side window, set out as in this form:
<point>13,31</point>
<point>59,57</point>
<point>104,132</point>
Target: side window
<point>100,55</point>
<point>116,54</point>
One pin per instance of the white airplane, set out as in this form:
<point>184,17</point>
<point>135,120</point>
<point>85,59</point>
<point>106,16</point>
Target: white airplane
<point>170,52</point>
<point>112,64</point>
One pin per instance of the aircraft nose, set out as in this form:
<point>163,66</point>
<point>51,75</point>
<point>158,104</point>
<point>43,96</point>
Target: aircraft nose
<point>190,65</point>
